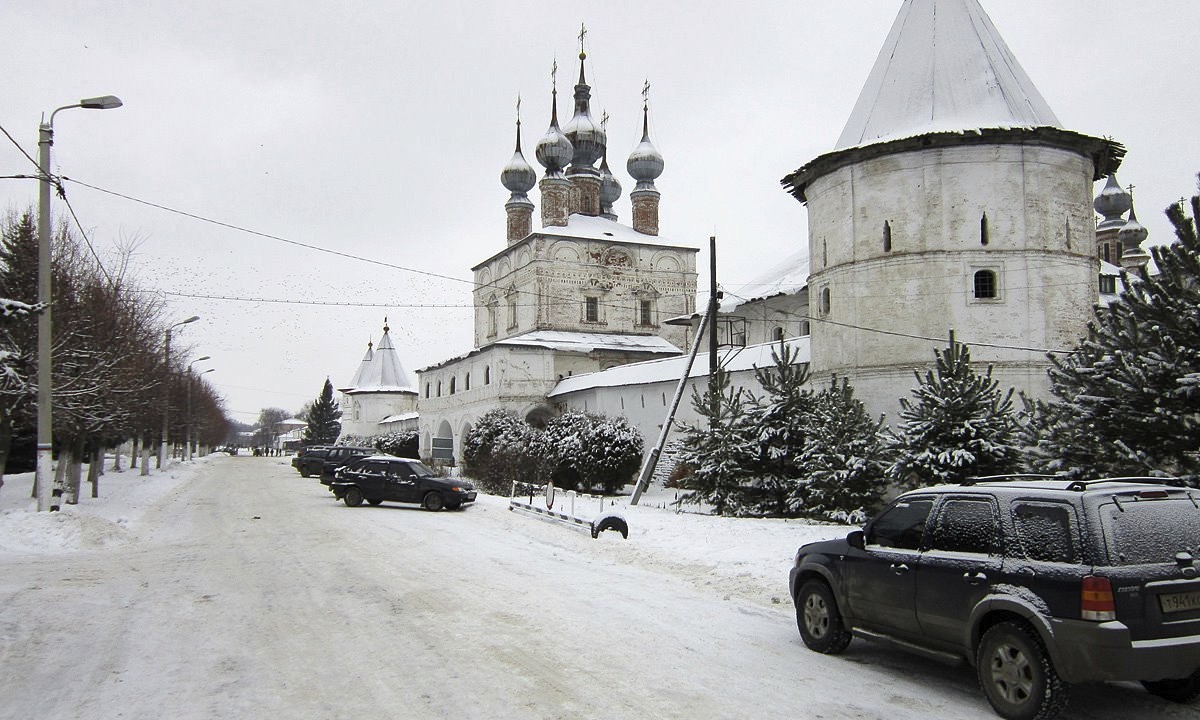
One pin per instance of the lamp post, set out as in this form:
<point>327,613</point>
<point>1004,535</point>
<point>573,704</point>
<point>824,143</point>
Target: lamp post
<point>187,452</point>
<point>162,448</point>
<point>45,439</point>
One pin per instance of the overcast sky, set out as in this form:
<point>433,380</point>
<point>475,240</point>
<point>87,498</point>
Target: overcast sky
<point>379,129</point>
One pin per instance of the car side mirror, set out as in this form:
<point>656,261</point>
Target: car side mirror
<point>856,539</point>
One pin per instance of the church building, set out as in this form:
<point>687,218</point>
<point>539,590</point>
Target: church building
<point>581,294</point>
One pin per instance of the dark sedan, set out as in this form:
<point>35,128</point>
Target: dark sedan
<point>380,478</point>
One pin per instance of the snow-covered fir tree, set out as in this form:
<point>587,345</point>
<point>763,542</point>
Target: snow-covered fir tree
<point>844,458</point>
<point>957,424</point>
<point>724,452</point>
<point>782,421</point>
<point>1128,397</point>
<point>324,418</point>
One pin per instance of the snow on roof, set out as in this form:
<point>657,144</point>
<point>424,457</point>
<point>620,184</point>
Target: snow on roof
<point>383,371</point>
<point>731,359</point>
<point>787,277</point>
<point>398,418</point>
<point>292,422</point>
<point>943,68</point>
<point>590,342</point>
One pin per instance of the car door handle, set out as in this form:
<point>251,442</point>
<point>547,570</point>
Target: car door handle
<point>899,568</point>
<point>975,578</point>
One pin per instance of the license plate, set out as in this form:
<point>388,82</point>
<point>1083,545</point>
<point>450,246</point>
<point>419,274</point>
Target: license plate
<point>1179,602</point>
<point>470,497</point>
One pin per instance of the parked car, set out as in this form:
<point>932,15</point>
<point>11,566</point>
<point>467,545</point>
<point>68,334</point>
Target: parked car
<point>339,455</point>
<point>380,478</point>
<point>310,460</point>
<point>1036,582</point>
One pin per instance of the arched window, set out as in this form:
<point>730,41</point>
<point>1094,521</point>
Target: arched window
<point>777,335</point>
<point>439,388</point>
<point>804,328</point>
<point>887,236</point>
<point>426,389</point>
<point>826,301</point>
<point>983,230</point>
<point>985,285</point>
<point>487,375</point>
<point>452,379</point>
<point>467,382</point>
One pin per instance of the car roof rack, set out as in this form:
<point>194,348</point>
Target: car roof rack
<point>1009,477</point>
<point>1081,485</point>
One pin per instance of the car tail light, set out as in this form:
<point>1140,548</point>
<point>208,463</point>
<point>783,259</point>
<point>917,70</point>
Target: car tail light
<point>1096,599</point>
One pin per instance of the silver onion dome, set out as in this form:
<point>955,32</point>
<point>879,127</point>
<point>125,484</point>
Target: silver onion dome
<point>585,134</point>
<point>1112,202</point>
<point>1132,234</point>
<point>518,176</point>
<point>645,163</point>
<point>610,187</point>
<point>554,151</point>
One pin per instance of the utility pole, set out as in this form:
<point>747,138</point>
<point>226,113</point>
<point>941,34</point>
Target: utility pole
<point>713,396</point>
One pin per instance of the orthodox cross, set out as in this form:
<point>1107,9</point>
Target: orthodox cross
<point>582,35</point>
<point>646,93</point>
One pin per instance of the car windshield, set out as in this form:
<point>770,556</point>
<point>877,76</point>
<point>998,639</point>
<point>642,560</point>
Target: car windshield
<point>1150,531</point>
<point>421,469</point>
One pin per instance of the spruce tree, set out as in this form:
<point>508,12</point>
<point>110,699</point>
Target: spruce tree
<point>324,419</point>
<point>958,424</point>
<point>1128,395</point>
<point>783,426</point>
<point>723,452</point>
<point>844,458</point>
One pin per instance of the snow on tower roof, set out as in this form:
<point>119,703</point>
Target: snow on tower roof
<point>943,68</point>
<point>362,367</point>
<point>381,370</point>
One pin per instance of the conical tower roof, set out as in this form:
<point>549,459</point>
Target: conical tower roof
<point>362,368</point>
<point>384,373</point>
<point>943,68</point>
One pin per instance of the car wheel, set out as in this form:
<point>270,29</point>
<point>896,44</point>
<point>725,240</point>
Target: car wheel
<point>374,501</point>
<point>1183,690</point>
<point>433,502</point>
<point>304,472</point>
<point>1016,674</point>
<point>353,497</point>
<point>818,618</point>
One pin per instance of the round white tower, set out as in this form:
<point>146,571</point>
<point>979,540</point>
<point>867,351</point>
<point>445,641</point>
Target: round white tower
<point>954,200</point>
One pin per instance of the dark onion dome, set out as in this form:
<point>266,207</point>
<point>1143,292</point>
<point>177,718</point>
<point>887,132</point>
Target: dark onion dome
<point>1112,202</point>
<point>1133,233</point>
<point>610,187</point>
<point>645,163</point>
<point>554,151</point>
<point>518,176</point>
<point>585,134</point>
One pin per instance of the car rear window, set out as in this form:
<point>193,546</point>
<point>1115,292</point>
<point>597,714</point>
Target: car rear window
<point>1150,531</point>
<point>1044,532</point>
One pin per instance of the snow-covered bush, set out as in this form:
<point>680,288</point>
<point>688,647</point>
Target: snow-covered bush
<point>592,452</point>
<point>496,451</point>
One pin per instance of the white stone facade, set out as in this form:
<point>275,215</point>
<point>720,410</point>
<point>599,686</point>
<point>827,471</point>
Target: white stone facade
<point>898,241</point>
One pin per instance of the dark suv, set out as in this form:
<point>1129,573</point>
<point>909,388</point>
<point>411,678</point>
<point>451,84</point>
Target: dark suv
<point>384,477</point>
<point>1036,582</point>
<point>338,456</point>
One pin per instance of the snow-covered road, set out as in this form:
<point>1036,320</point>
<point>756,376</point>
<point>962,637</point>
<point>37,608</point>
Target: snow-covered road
<point>244,591</point>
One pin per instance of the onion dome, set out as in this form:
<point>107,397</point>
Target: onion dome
<point>645,163</point>
<point>1132,234</point>
<point>518,176</point>
<point>554,150</point>
<point>610,187</point>
<point>1112,202</point>
<point>585,134</point>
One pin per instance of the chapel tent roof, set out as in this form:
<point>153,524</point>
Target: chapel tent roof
<point>381,370</point>
<point>943,68</point>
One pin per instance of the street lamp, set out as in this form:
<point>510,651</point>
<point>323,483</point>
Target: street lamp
<point>45,438</point>
<point>162,448</point>
<point>187,453</point>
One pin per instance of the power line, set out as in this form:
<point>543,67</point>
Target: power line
<point>18,146</point>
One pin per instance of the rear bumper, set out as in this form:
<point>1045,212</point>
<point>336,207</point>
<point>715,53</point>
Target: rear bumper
<point>1090,651</point>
